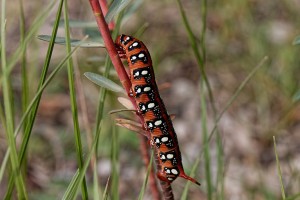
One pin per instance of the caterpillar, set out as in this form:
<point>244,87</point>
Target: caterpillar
<point>151,107</point>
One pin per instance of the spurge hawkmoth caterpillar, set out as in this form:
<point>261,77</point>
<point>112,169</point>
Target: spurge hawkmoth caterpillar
<point>152,108</point>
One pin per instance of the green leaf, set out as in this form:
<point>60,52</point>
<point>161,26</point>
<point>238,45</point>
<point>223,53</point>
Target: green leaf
<point>297,40</point>
<point>116,7</point>
<point>74,42</point>
<point>103,82</point>
<point>79,24</point>
<point>93,33</point>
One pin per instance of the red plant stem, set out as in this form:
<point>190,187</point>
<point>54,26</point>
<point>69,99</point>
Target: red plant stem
<point>110,46</point>
<point>146,159</point>
<point>122,74</point>
<point>104,8</point>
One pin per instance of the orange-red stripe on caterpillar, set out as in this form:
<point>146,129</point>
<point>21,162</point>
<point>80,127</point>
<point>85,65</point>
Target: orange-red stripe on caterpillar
<point>152,108</point>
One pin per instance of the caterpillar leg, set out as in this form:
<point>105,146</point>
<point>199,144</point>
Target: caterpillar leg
<point>121,52</point>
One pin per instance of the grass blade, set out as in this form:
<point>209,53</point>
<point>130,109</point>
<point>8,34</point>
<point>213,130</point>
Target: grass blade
<point>105,193</point>
<point>199,58</point>
<point>8,109</point>
<point>33,111</point>
<point>115,168</point>
<point>72,184</point>
<point>279,170</point>
<point>206,143</point>
<point>36,98</point>
<point>78,178</point>
<point>25,86</point>
<point>143,189</point>
<point>32,30</point>
<point>96,188</point>
<point>236,93</point>
<point>73,101</point>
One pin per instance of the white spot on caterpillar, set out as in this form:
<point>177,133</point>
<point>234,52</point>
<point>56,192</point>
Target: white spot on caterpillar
<point>139,90</point>
<point>170,179</point>
<point>135,44</point>
<point>143,107</point>
<point>151,105</point>
<point>163,157</point>
<point>170,156</point>
<point>133,58</point>
<point>144,72</point>
<point>128,38</point>
<point>141,55</point>
<point>137,73</point>
<point>146,89</point>
<point>164,139</point>
<point>157,141</point>
<point>157,123</point>
<point>168,171</point>
<point>174,171</point>
<point>150,125</point>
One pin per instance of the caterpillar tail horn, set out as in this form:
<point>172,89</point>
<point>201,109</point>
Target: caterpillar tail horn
<point>183,175</point>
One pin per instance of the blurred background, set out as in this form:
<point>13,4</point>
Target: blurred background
<point>239,35</point>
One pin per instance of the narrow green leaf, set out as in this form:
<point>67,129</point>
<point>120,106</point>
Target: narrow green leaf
<point>34,108</point>
<point>207,159</point>
<point>78,178</point>
<point>79,24</point>
<point>3,166</point>
<point>116,7</point>
<point>279,169</point>
<point>71,186</point>
<point>142,192</point>
<point>105,193</point>
<point>36,98</point>
<point>115,167</point>
<point>236,94</point>
<point>96,187</point>
<point>73,42</point>
<point>16,175</point>
<point>103,82</point>
<point>74,109</point>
